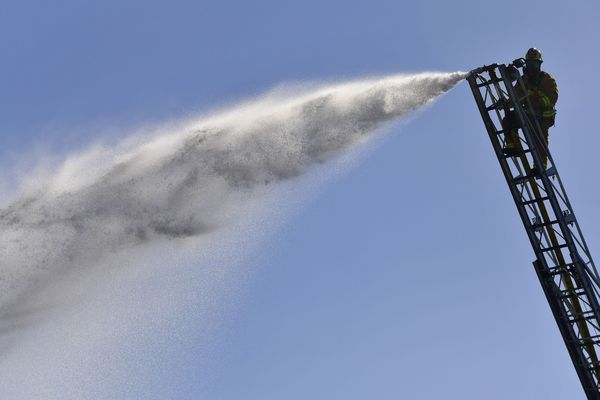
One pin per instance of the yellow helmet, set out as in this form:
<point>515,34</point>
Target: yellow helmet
<point>534,54</point>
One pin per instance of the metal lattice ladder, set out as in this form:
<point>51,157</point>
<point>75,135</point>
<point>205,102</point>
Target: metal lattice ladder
<point>563,262</point>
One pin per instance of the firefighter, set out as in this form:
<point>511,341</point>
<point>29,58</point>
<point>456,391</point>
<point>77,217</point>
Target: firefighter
<point>543,93</point>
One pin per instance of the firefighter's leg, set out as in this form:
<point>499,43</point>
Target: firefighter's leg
<point>545,124</point>
<point>510,126</point>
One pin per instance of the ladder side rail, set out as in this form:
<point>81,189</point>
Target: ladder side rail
<point>491,128</point>
<point>571,325</point>
<point>517,194</point>
<point>569,337</point>
<point>492,133</point>
<point>560,190</point>
<point>536,244</point>
<point>581,274</point>
<point>578,237</point>
<point>586,283</point>
<point>575,232</point>
<point>549,187</point>
<point>531,142</point>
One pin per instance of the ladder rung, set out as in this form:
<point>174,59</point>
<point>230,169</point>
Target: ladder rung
<point>560,246</point>
<point>495,106</point>
<point>488,83</point>
<point>593,369</point>
<point>540,200</point>
<point>561,269</point>
<point>522,179</point>
<point>584,315</point>
<point>593,340</point>
<point>544,224</point>
<point>581,318</point>
<point>593,365</point>
<point>564,294</point>
<point>569,296</point>
<point>524,151</point>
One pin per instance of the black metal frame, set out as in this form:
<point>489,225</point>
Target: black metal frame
<point>563,262</point>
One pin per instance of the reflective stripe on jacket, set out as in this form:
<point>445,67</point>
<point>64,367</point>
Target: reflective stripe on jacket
<point>543,94</point>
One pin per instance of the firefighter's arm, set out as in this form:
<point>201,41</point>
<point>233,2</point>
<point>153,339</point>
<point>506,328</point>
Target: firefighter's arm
<point>552,91</point>
<point>538,99</point>
<point>549,92</point>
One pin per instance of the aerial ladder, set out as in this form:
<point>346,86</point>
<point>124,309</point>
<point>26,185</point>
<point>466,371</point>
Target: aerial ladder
<point>563,261</point>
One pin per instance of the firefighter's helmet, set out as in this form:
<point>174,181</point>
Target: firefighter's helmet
<point>534,54</point>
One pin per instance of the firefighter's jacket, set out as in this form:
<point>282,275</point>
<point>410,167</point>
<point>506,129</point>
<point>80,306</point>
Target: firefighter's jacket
<point>543,94</point>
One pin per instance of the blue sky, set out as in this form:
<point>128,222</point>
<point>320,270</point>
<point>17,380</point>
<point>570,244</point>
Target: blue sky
<point>408,277</point>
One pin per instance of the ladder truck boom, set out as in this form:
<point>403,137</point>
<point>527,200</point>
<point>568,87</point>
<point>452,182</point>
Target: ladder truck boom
<point>563,261</point>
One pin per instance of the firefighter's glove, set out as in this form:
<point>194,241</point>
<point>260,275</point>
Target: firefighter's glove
<point>536,102</point>
<point>535,99</point>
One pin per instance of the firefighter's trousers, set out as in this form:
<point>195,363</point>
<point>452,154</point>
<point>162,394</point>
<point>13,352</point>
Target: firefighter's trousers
<point>511,125</point>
